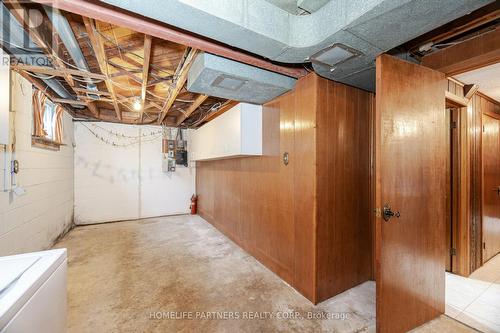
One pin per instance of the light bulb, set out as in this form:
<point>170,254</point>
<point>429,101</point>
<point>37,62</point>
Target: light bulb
<point>137,105</point>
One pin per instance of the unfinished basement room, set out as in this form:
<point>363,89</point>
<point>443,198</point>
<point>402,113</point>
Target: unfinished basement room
<point>250,166</point>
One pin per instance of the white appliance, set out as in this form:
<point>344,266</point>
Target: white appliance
<point>33,292</point>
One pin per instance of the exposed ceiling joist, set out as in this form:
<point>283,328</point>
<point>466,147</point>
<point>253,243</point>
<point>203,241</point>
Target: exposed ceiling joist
<point>196,104</point>
<point>93,108</point>
<point>116,16</point>
<point>24,19</point>
<point>92,92</point>
<point>471,54</point>
<point>46,91</point>
<point>181,78</point>
<point>145,73</point>
<point>58,72</point>
<point>99,51</point>
<point>69,101</point>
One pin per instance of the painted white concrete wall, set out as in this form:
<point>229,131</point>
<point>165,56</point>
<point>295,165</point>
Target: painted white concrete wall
<point>235,133</point>
<point>33,221</point>
<point>114,183</point>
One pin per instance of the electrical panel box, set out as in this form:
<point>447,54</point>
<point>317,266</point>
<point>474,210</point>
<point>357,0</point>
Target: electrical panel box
<point>174,153</point>
<point>4,97</point>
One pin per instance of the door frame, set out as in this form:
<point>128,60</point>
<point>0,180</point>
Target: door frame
<point>453,188</point>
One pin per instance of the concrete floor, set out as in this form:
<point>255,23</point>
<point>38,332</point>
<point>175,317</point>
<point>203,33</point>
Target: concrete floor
<point>175,274</point>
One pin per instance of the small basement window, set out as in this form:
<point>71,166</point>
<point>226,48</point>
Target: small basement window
<point>47,122</point>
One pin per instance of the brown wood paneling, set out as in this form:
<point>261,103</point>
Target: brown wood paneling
<point>471,54</point>
<point>304,177</point>
<point>411,150</point>
<point>277,207</point>
<point>343,194</point>
<point>491,186</point>
<point>468,236</point>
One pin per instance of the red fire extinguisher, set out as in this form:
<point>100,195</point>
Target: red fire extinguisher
<point>194,204</point>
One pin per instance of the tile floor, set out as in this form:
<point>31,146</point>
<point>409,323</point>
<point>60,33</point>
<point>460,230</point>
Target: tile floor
<point>475,300</point>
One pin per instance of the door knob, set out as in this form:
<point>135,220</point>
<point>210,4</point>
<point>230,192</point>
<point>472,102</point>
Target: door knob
<point>286,158</point>
<point>497,189</point>
<point>388,213</point>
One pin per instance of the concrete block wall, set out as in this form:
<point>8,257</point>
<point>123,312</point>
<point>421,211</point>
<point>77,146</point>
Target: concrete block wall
<point>33,221</point>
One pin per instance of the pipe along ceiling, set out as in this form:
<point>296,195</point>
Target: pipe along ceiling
<point>20,46</point>
<point>341,38</point>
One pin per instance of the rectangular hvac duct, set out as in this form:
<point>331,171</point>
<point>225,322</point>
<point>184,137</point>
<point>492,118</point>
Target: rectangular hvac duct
<point>220,77</point>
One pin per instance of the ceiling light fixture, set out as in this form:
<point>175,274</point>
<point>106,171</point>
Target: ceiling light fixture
<point>137,104</point>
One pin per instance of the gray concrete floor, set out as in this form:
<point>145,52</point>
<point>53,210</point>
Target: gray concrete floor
<point>179,274</point>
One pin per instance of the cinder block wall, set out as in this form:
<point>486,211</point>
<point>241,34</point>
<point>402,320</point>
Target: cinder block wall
<point>33,221</point>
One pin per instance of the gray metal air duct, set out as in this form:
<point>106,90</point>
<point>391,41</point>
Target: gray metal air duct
<point>217,76</point>
<point>370,27</point>
<point>21,47</point>
<point>63,28</point>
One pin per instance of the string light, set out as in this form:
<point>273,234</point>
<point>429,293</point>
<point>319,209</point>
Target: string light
<point>148,137</point>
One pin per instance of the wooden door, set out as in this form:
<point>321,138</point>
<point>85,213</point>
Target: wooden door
<point>491,187</point>
<point>411,179</point>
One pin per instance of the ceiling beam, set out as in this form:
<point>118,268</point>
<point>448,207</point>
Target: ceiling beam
<point>196,104</point>
<point>57,71</point>
<point>42,87</point>
<point>181,75</point>
<point>477,18</point>
<point>145,73</point>
<point>468,55</point>
<point>22,16</point>
<point>103,12</point>
<point>69,101</point>
<point>93,108</point>
<point>98,46</point>
<point>92,92</point>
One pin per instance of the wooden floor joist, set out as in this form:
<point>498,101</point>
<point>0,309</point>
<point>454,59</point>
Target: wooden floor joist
<point>57,72</point>
<point>145,73</point>
<point>181,75</point>
<point>98,47</point>
<point>196,104</point>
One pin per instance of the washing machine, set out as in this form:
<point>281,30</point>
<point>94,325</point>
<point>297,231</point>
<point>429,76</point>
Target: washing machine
<point>33,292</point>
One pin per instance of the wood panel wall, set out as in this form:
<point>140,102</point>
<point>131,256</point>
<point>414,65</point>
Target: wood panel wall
<point>344,191</point>
<point>469,253</point>
<point>309,221</point>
